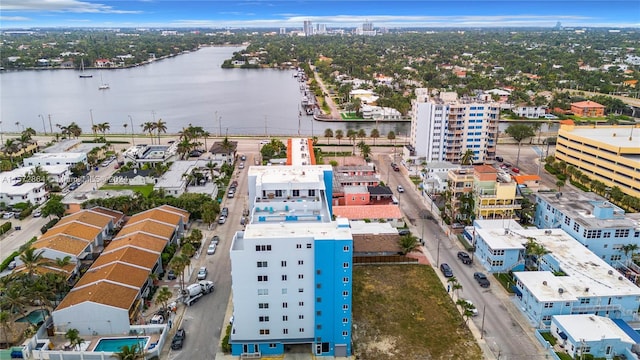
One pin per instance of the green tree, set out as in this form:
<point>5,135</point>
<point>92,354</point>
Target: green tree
<point>629,249</point>
<point>148,127</point>
<point>328,133</point>
<point>408,243</point>
<point>54,207</point>
<point>560,184</point>
<point>73,336</point>
<point>339,135</point>
<point>374,135</point>
<point>5,321</point>
<point>133,352</point>
<point>210,212</point>
<point>160,127</point>
<point>33,259</point>
<point>467,157</point>
<point>163,296</point>
<point>519,132</point>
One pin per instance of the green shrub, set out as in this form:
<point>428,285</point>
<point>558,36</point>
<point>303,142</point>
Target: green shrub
<point>564,356</point>
<point>5,227</point>
<point>49,225</point>
<point>579,186</point>
<point>8,260</point>
<point>562,177</point>
<point>26,212</point>
<point>226,347</point>
<point>550,338</point>
<point>550,169</point>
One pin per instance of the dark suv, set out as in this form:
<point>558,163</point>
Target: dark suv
<point>482,279</point>
<point>446,270</point>
<point>464,257</point>
<point>178,339</point>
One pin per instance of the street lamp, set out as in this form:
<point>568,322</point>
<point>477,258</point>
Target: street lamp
<point>438,253</point>
<point>132,130</point>
<point>43,124</point>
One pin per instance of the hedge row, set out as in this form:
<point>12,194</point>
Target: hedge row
<point>8,260</point>
<point>5,227</point>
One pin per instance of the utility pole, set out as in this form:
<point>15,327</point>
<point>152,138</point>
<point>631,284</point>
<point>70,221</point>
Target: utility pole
<point>132,139</point>
<point>484,307</point>
<point>438,253</point>
<point>266,134</point>
<point>50,127</point>
<point>43,124</point>
<point>95,135</point>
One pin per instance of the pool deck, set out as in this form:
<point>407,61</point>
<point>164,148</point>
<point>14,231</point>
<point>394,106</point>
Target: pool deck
<point>60,342</point>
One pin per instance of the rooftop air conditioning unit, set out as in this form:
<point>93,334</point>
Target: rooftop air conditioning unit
<point>560,290</point>
<point>547,232</point>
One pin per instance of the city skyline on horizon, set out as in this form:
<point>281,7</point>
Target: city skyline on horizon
<point>336,14</point>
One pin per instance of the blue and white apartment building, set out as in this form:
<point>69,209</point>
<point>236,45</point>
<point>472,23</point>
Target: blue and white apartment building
<point>592,220</point>
<point>291,267</point>
<point>570,280</point>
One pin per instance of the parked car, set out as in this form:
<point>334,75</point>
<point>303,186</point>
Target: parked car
<point>211,249</point>
<point>400,189</point>
<point>403,232</point>
<point>37,213</point>
<point>499,159</point>
<point>231,193</point>
<point>73,186</point>
<point>395,167</point>
<point>178,339</point>
<point>482,279</point>
<point>241,166</point>
<point>515,170</point>
<point>234,184</point>
<point>464,257</point>
<point>7,215</point>
<point>446,270</point>
<point>195,153</point>
<point>243,157</point>
<point>222,219</point>
<point>242,220</point>
<point>171,275</point>
<point>215,239</point>
<point>224,211</point>
<point>202,273</point>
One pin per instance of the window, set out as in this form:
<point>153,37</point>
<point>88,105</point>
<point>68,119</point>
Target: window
<point>546,318</point>
<point>296,192</point>
<point>300,262</point>
<point>576,227</point>
<point>318,286</point>
<point>592,234</point>
<point>345,265</point>
<point>607,234</point>
<point>298,246</point>
<point>616,257</point>
<point>345,248</point>
<point>263,318</point>
<point>621,233</point>
<point>285,305</point>
<point>284,277</point>
<point>262,264</point>
<point>301,330</point>
<point>263,278</point>
<point>300,290</point>
<point>345,320</point>
<point>345,279</point>
<point>345,293</point>
<point>308,246</point>
<point>300,276</point>
<point>345,307</point>
<point>285,331</point>
<point>497,263</point>
<point>300,317</point>
<point>264,331</point>
<point>318,299</point>
<point>272,346</point>
<point>318,313</point>
<point>285,318</point>
<point>263,305</point>
<point>567,220</point>
<point>300,303</point>
<point>318,272</point>
<point>585,301</point>
<point>548,305</point>
<point>345,333</point>
<point>312,192</point>
<point>263,291</point>
<point>263,247</point>
<point>283,263</point>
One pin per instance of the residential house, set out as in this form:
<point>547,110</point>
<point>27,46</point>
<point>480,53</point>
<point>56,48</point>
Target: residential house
<point>494,197</point>
<point>587,109</point>
<point>388,213</point>
<point>187,176</point>
<point>43,159</point>
<point>34,193</point>
<point>224,152</point>
<point>530,111</point>
<point>73,201</point>
<point>150,154</point>
<point>531,182</point>
<point>133,177</point>
<point>434,176</point>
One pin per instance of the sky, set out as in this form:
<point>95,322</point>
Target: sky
<point>333,13</point>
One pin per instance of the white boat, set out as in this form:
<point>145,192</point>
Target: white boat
<point>103,85</point>
<point>83,74</point>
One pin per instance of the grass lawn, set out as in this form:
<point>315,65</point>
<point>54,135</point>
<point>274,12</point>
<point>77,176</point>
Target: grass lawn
<point>145,190</point>
<point>403,312</point>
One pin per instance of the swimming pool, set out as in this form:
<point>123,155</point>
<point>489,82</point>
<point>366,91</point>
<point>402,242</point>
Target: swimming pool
<point>35,317</point>
<point>116,344</point>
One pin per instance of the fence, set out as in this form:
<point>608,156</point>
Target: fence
<point>546,344</point>
<point>385,259</point>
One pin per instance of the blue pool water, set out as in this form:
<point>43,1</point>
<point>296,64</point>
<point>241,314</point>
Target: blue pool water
<point>35,317</point>
<point>116,344</point>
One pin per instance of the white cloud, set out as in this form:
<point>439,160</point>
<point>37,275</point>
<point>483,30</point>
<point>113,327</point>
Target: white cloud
<point>74,6</point>
<point>14,18</point>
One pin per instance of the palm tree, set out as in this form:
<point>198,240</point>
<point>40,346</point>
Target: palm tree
<point>629,249</point>
<point>160,127</point>
<point>519,132</point>
<point>362,134</point>
<point>95,128</point>
<point>10,148</point>
<point>467,157</point>
<point>212,167</point>
<point>104,127</point>
<point>163,296</point>
<point>339,135</point>
<point>560,184</point>
<point>328,133</point>
<point>374,135</point>
<point>5,320</point>
<point>408,243</point>
<point>178,264</point>
<point>133,352</point>
<point>74,130</point>
<point>148,127</point>
<point>33,259</point>
<point>73,336</point>
<point>467,310</point>
<point>536,250</point>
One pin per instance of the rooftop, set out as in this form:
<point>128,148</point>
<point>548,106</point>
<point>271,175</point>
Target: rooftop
<point>102,292</point>
<point>295,174</point>
<point>63,243</point>
<point>300,152</point>
<point>361,212</point>
<point>580,206</point>
<point>76,197</point>
<point>589,327</point>
<point>60,155</point>
<point>116,272</point>
<point>130,255</point>
<point>72,145</point>
<point>76,229</point>
<point>88,217</point>
<point>588,103</point>
<point>615,136</point>
<point>586,274</point>
<point>318,231</point>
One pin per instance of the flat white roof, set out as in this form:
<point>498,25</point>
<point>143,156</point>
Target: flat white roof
<point>12,190</point>
<point>76,197</point>
<point>300,152</point>
<point>63,155</point>
<point>616,136</point>
<point>375,228</point>
<point>303,174</point>
<point>320,230</point>
<point>496,239</point>
<point>498,224</point>
<point>591,328</point>
<point>173,177</point>
<point>586,274</point>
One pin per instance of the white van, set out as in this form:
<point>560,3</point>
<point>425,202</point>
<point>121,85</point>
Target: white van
<point>394,200</point>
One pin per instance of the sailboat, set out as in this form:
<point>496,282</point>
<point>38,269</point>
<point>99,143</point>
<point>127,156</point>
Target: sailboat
<point>103,85</point>
<point>83,74</point>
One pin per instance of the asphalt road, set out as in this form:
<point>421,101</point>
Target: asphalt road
<point>204,321</point>
<point>506,332</point>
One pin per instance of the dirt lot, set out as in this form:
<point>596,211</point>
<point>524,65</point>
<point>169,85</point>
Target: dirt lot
<point>402,312</point>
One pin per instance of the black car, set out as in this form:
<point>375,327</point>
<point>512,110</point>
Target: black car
<point>224,211</point>
<point>171,275</point>
<point>178,339</point>
<point>499,159</point>
<point>395,167</point>
<point>446,270</point>
<point>403,232</point>
<point>215,239</point>
<point>482,279</point>
<point>464,257</point>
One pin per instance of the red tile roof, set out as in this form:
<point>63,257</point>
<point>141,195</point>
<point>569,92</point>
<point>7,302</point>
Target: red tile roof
<point>360,212</point>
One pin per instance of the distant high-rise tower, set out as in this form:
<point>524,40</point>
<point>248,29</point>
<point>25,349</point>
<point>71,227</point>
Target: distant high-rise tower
<point>308,28</point>
<point>558,26</point>
<point>368,26</point>
<point>283,31</point>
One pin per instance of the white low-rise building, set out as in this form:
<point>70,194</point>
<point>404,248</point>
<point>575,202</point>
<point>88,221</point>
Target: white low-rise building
<point>66,158</point>
<point>11,194</point>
